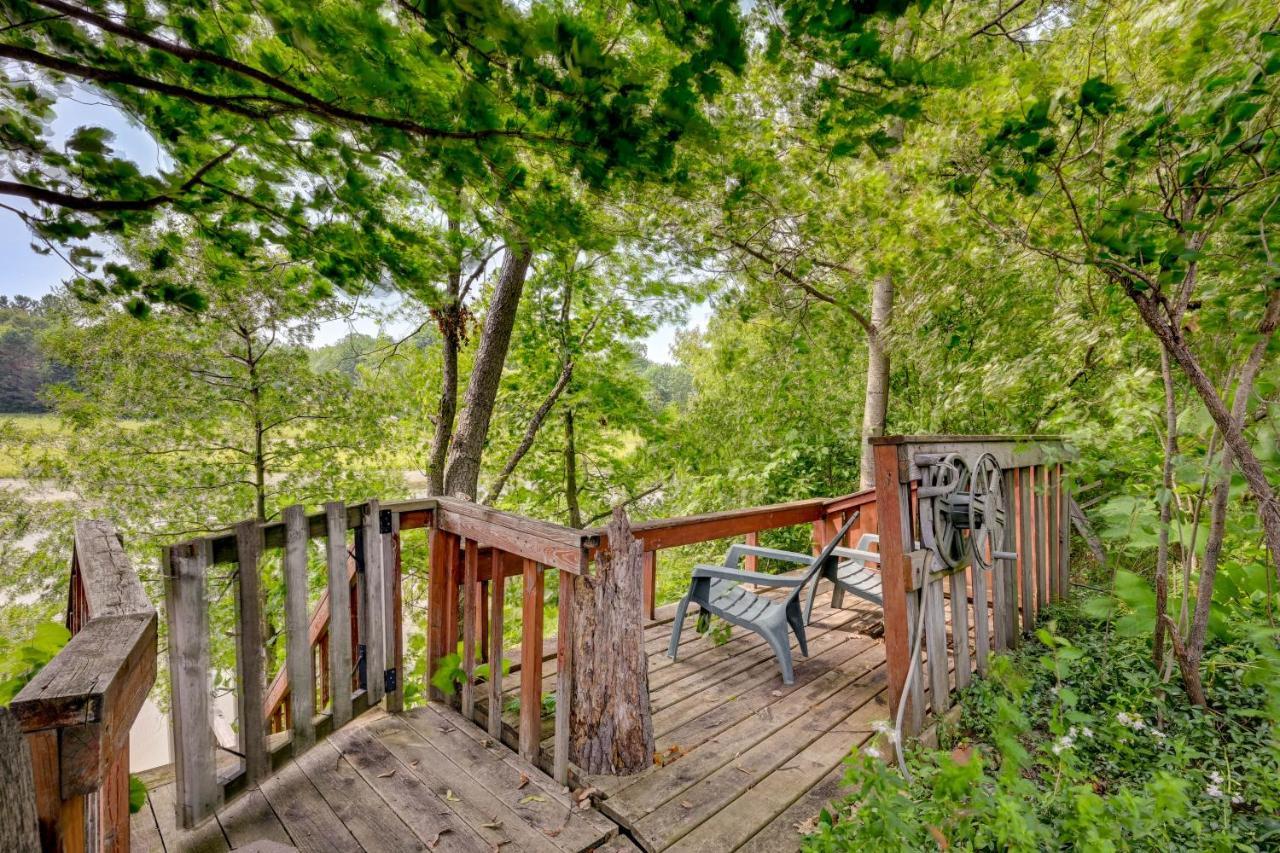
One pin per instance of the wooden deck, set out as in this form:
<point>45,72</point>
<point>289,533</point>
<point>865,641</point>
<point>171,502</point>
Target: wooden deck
<point>745,760</point>
<point>422,780</point>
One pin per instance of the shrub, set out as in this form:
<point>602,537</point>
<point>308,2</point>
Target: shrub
<point>1075,742</point>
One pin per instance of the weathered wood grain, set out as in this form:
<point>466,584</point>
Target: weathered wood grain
<point>18,827</point>
<point>340,664</point>
<point>393,640</point>
<point>531,644</point>
<point>196,792</point>
<point>470,620</point>
<point>251,654</point>
<point>564,680</point>
<point>497,598</point>
<point>298,660</point>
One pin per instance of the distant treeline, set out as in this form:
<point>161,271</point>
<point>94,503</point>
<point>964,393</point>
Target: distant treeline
<point>25,369</point>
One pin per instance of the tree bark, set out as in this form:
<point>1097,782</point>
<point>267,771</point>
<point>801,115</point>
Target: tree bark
<point>608,735</point>
<point>1166,507</point>
<point>463,470</point>
<point>449,318</point>
<point>571,471</point>
<point>875,406</point>
<point>1232,431</point>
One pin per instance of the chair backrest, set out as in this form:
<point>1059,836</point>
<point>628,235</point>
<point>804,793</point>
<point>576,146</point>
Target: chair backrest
<point>825,554</point>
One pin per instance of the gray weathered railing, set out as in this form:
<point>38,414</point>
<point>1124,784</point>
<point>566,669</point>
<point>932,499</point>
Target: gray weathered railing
<point>78,710</point>
<point>997,606</point>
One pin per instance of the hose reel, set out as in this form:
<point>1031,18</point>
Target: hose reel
<point>960,498</point>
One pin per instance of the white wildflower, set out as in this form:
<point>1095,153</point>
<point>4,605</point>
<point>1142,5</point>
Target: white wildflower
<point>1064,743</point>
<point>872,751</point>
<point>886,729</point>
<point>1214,791</point>
<point>1086,731</point>
<point>1158,735</point>
<point>1132,721</point>
<point>1236,799</point>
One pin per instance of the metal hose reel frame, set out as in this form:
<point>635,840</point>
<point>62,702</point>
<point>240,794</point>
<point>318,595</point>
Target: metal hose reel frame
<point>963,497</point>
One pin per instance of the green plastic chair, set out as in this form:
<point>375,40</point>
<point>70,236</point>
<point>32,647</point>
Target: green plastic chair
<point>718,591</point>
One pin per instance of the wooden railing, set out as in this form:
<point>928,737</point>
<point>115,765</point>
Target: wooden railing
<point>354,663</point>
<point>78,709</point>
<point>998,605</point>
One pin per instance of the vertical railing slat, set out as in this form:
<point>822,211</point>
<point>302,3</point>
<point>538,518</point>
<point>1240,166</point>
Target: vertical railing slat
<point>470,595</point>
<point>298,660</point>
<point>394,635</point>
<point>1026,579</point>
<point>335,522</point>
<point>1064,531</point>
<point>531,661</point>
<point>374,628</point>
<point>564,681</point>
<point>981,619</point>
<point>196,792</point>
<point>649,569</point>
<point>1012,567</point>
<point>1027,544</point>
<point>935,640</point>
<point>497,589</point>
<point>443,546</point>
<point>251,654</point>
<point>960,627</point>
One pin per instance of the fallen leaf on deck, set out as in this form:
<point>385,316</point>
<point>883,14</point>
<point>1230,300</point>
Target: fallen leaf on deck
<point>532,798</point>
<point>450,796</point>
<point>497,824</point>
<point>431,845</point>
<point>685,804</point>
<point>390,772</point>
<point>414,763</point>
<point>524,780</point>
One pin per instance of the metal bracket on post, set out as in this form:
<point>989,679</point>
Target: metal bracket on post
<point>384,521</point>
<point>362,675</point>
<point>389,681</point>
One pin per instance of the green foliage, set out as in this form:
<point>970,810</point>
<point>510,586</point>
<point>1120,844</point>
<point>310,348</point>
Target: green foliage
<point>450,674</point>
<point>1074,742</point>
<point>137,794</point>
<point>716,630</point>
<point>23,661</point>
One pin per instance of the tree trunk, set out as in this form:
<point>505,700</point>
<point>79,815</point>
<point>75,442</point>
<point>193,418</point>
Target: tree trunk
<point>875,405</point>
<point>1166,507</point>
<point>463,471</point>
<point>608,735</point>
<point>1232,431</point>
<point>449,318</point>
<point>571,471</point>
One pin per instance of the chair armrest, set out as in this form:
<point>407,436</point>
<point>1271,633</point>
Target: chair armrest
<point>737,552</point>
<point>856,554</point>
<point>728,574</point>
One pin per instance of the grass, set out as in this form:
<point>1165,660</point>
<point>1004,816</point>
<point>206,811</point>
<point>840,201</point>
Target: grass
<point>25,437</point>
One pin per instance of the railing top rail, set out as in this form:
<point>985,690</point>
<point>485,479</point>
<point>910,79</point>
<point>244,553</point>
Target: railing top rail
<point>967,439</point>
<point>100,679</point>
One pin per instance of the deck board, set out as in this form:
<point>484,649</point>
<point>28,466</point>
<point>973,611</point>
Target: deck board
<point>747,762</point>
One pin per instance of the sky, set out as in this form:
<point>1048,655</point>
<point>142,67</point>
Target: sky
<point>24,271</point>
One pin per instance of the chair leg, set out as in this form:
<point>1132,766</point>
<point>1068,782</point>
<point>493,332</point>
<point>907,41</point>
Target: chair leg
<point>837,597</point>
<point>797,625</point>
<point>676,626</point>
<point>782,651</point>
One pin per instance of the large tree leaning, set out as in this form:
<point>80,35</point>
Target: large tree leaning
<point>462,474</point>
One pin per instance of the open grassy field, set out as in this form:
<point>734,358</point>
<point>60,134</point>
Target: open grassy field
<point>23,437</point>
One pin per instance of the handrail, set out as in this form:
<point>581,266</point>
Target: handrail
<point>78,710</point>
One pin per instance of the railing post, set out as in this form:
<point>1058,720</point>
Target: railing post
<point>196,792</point>
<point>374,630</point>
<point>393,678</point>
<point>895,535</point>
